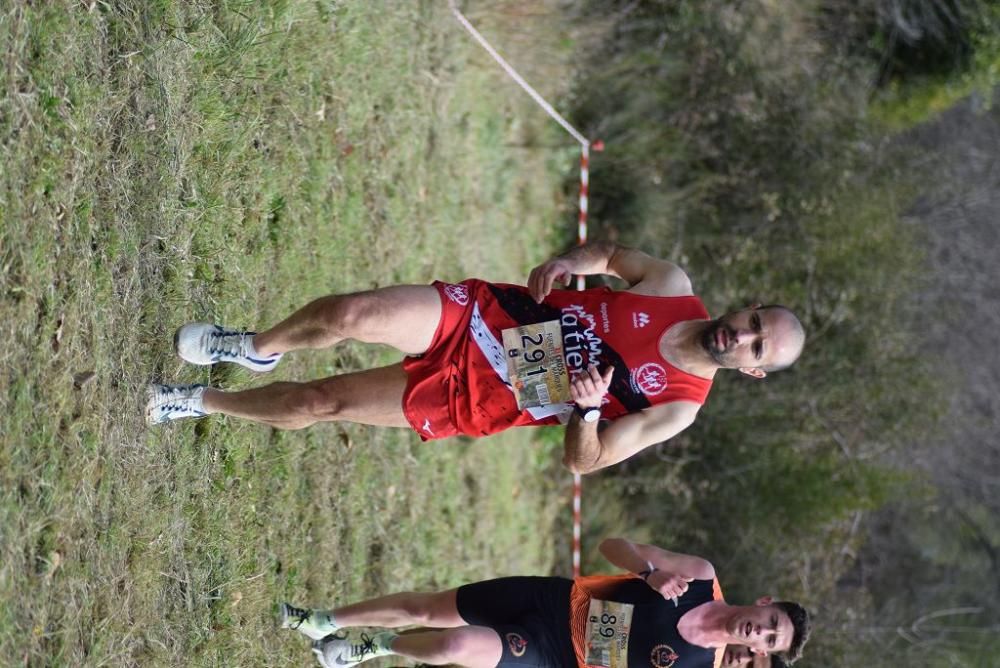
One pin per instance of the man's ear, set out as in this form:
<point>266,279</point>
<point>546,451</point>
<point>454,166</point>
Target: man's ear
<point>754,371</point>
<point>765,600</point>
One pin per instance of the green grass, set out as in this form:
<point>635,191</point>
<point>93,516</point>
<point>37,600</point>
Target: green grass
<point>170,161</point>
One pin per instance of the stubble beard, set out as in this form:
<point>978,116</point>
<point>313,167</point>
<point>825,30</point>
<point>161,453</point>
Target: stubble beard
<point>707,341</point>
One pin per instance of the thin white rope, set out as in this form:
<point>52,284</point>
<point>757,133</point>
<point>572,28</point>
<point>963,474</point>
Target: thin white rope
<point>517,77</point>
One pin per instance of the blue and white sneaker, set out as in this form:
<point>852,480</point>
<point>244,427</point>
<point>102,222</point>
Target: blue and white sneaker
<point>173,402</point>
<point>344,649</point>
<point>203,343</point>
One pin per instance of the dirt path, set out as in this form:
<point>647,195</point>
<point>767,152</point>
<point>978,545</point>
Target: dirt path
<point>961,216</point>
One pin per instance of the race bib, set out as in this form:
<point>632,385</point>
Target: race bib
<point>536,365</point>
<point>608,625</point>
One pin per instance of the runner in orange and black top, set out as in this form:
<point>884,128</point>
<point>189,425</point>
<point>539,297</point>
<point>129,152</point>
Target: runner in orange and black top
<point>485,357</point>
<point>663,614</point>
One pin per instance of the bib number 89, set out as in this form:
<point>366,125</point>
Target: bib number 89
<point>606,622</point>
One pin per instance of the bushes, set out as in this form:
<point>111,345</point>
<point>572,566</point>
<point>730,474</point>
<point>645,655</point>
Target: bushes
<point>929,53</point>
<point>738,144</point>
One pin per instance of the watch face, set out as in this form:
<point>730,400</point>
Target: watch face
<point>592,415</point>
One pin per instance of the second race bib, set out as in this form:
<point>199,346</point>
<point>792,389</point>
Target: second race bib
<point>608,626</point>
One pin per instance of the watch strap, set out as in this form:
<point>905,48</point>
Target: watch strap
<point>650,569</point>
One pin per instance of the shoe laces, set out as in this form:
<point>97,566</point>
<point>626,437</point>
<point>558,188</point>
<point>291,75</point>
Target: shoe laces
<point>228,343</point>
<point>301,616</point>
<point>176,398</point>
<point>363,648</point>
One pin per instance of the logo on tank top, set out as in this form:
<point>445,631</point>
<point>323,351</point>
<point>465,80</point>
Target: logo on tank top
<point>663,656</point>
<point>581,345</point>
<point>650,379</point>
<point>518,645</point>
<point>457,293</point>
<point>639,319</point>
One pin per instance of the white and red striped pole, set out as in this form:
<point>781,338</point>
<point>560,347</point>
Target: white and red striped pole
<point>581,227</point>
<point>585,146</point>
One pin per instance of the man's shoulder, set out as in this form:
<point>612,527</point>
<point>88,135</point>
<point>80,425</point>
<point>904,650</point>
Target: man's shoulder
<point>671,282</point>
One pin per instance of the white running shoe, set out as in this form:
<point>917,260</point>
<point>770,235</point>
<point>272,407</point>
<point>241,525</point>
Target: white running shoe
<point>173,402</point>
<point>314,624</point>
<point>344,649</point>
<point>203,343</point>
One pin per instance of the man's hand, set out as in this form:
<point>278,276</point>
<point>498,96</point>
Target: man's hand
<point>668,585</point>
<point>587,388</point>
<point>546,274</point>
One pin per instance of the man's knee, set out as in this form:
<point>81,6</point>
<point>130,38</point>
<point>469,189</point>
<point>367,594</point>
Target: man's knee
<point>455,643</point>
<point>471,646</point>
<point>347,314</point>
<point>421,608</point>
<point>318,402</point>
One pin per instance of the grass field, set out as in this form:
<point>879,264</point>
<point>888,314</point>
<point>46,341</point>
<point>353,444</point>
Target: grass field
<point>174,160</point>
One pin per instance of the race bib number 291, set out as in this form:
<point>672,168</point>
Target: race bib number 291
<point>608,626</point>
<point>536,365</point>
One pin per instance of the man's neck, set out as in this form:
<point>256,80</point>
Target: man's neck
<point>705,625</point>
<point>681,346</point>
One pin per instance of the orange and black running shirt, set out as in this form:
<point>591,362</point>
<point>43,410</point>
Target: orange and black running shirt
<point>620,622</point>
<point>466,368</point>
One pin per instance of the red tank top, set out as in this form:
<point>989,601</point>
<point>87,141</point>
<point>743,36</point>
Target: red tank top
<point>611,328</point>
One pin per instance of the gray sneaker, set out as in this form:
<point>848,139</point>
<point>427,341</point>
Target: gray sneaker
<point>203,343</point>
<point>173,402</point>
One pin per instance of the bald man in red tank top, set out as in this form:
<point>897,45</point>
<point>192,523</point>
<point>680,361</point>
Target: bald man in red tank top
<point>621,369</point>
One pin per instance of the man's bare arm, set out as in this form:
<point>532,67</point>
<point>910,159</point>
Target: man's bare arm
<point>582,448</point>
<point>647,560</point>
<point>586,450</point>
<point>644,273</point>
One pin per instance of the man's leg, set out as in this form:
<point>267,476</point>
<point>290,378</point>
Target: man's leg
<point>402,316</point>
<point>372,397</point>
<point>431,610</point>
<point>405,317</point>
<point>472,646</point>
<point>436,610</point>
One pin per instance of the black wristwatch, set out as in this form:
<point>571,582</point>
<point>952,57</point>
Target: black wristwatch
<point>591,414</point>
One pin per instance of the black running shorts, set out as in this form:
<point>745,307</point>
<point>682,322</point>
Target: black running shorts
<point>530,614</point>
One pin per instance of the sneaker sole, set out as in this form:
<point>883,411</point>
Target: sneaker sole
<point>317,648</point>
<point>177,341</point>
<point>285,617</point>
<point>148,405</point>
<point>320,658</point>
<point>177,348</point>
